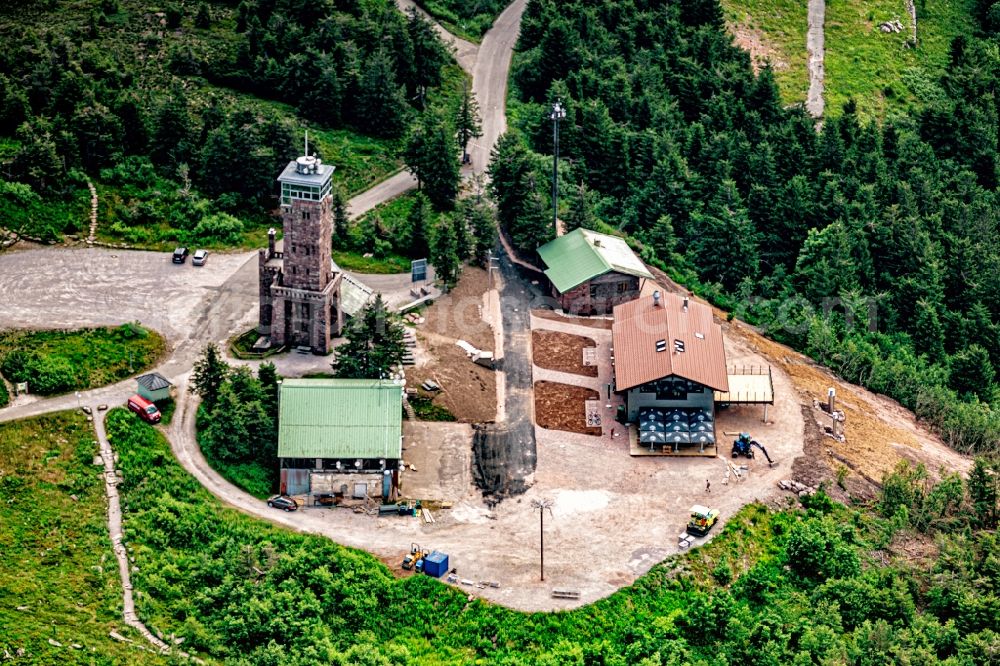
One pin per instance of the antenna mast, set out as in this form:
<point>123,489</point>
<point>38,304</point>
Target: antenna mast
<point>307,143</point>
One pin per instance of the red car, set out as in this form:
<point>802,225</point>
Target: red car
<point>146,410</point>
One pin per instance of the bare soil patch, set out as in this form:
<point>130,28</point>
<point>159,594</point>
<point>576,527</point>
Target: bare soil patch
<point>753,42</point>
<point>878,430</point>
<point>561,407</point>
<point>577,321</point>
<point>458,314</point>
<point>562,351</point>
<point>469,391</point>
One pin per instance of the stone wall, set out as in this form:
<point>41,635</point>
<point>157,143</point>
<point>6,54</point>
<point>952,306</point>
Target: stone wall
<point>600,295</point>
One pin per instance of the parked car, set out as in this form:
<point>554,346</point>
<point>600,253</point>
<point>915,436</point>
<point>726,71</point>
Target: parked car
<point>282,502</point>
<point>146,410</point>
<point>200,257</point>
<point>180,255</point>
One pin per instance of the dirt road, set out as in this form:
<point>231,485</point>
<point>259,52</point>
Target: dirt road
<point>814,47</point>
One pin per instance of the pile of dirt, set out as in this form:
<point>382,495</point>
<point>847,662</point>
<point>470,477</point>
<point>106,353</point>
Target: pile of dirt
<point>458,314</point>
<point>561,351</point>
<point>562,407</point>
<point>468,391</point>
<point>576,321</point>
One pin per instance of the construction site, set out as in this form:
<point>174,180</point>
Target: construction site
<point>610,496</point>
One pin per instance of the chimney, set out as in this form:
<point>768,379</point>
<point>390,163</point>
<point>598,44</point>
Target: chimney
<point>656,298</point>
<point>685,304</point>
<point>270,241</point>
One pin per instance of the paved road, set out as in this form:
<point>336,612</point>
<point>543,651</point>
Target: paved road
<point>390,188</point>
<point>504,455</point>
<point>489,81</point>
<point>466,54</point>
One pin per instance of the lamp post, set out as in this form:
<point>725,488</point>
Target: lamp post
<point>557,114</point>
<point>542,505</point>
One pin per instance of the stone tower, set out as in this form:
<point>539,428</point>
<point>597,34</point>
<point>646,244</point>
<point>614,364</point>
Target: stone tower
<point>299,288</point>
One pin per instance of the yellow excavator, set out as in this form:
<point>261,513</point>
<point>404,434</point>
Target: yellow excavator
<point>414,557</point>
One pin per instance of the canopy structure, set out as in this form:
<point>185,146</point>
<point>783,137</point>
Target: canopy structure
<point>748,388</point>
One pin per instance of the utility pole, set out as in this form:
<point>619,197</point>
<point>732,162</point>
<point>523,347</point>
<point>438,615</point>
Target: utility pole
<point>557,114</point>
<point>542,505</point>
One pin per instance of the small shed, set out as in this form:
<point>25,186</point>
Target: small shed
<point>436,564</point>
<point>153,387</point>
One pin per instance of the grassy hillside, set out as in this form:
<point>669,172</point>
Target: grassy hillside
<point>61,361</point>
<point>773,31</point>
<point>247,592</point>
<point>878,70</point>
<point>58,576</point>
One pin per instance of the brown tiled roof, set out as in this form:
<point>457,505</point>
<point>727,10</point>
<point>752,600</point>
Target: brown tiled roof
<point>639,325</point>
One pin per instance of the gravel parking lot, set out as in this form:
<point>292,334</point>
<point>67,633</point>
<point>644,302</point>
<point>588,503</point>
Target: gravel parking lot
<point>97,286</point>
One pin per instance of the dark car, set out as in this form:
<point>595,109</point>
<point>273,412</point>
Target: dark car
<point>283,503</point>
<point>180,255</point>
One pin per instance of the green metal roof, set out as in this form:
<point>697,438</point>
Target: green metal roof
<point>582,255</point>
<point>340,418</point>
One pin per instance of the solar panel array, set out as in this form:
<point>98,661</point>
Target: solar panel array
<point>677,425</point>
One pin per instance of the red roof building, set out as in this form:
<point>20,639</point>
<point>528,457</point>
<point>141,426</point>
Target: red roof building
<point>669,359</point>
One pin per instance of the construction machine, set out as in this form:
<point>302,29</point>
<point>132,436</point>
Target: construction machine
<point>744,447</point>
<point>415,558</point>
<point>702,520</point>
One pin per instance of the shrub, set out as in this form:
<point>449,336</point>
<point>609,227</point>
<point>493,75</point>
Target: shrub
<point>220,228</point>
<point>815,551</point>
<point>722,573</point>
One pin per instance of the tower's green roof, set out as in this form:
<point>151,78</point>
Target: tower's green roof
<point>582,255</point>
<point>340,418</point>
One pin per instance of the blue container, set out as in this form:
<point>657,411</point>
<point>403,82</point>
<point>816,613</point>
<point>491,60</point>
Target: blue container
<point>436,564</point>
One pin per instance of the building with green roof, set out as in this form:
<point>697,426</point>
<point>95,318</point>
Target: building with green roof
<point>334,433</point>
<point>591,273</point>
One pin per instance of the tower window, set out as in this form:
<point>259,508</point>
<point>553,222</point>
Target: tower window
<point>305,215</point>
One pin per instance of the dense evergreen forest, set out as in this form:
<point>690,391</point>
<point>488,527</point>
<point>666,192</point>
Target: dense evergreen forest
<point>181,112</point>
<point>465,18</point>
<point>873,247</point>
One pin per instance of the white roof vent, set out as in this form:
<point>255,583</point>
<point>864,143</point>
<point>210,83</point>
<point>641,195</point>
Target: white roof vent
<point>700,336</point>
<point>661,345</point>
<point>678,346</point>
